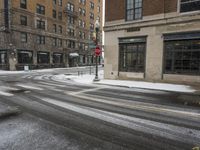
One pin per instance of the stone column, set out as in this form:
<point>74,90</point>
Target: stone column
<point>154,57</point>
<point>12,57</point>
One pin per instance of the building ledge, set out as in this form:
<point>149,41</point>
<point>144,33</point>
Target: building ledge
<point>157,20</point>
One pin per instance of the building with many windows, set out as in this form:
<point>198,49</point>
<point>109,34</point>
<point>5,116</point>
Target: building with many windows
<point>152,40</point>
<point>47,33</point>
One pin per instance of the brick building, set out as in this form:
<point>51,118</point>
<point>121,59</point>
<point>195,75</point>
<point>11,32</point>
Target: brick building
<point>47,33</point>
<point>152,40</point>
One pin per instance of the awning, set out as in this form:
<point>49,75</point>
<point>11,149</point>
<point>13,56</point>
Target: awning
<point>74,55</point>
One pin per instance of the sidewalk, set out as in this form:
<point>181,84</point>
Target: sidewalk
<point>186,94</point>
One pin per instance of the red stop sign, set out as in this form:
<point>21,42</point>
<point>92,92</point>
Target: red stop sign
<point>97,51</point>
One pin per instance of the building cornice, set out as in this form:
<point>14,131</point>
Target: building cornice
<point>122,25</point>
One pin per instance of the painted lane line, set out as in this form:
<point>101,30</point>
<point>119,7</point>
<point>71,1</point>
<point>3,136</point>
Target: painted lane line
<point>50,88</point>
<point>51,84</point>
<point>29,87</point>
<point>84,91</point>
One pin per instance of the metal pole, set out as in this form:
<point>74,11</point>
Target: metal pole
<point>96,75</point>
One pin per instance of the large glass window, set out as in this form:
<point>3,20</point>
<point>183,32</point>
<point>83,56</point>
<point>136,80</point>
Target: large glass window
<point>3,57</point>
<point>25,57</point>
<point>57,58</point>
<point>132,57</point>
<point>189,5</point>
<point>43,58</point>
<point>182,57</point>
<point>133,9</point>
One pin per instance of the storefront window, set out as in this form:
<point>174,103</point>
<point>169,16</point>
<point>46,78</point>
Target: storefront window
<point>57,58</point>
<point>182,57</point>
<point>132,57</point>
<point>25,57</point>
<point>43,58</point>
<point>3,57</point>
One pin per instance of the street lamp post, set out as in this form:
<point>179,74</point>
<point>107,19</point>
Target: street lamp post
<point>97,26</point>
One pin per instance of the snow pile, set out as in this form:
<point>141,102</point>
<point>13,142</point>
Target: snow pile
<point>2,72</point>
<point>149,85</point>
<point>83,79</point>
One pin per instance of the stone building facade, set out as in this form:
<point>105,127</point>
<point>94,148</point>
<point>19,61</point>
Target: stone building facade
<point>47,33</point>
<point>152,40</point>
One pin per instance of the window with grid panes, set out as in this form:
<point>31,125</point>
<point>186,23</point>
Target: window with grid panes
<point>182,57</point>
<point>133,9</point>
<point>40,9</point>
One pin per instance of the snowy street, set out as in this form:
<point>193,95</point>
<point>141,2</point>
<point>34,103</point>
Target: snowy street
<point>64,109</point>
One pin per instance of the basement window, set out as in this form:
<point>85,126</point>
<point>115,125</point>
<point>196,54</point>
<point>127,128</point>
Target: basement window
<point>189,5</point>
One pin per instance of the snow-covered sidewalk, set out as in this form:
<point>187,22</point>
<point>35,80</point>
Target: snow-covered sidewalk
<point>88,79</point>
<point>149,85</point>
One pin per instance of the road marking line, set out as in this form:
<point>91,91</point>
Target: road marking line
<point>84,91</point>
<point>51,84</point>
<point>29,87</point>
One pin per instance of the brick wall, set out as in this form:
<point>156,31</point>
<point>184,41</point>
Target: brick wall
<point>152,7</point>
<point>171,6</point>
<point>115,9</point>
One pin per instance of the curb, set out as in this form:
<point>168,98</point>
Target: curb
<point>192,99</point>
